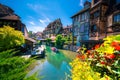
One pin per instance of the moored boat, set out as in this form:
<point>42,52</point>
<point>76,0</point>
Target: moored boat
<point>54,49</point>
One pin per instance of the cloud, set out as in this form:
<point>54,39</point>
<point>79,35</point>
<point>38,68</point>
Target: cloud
<point>36,28</point>
<point>44,21</point>
<point>39,25</point>
<point>30,17</point>
<point>81,3</point>
<point>32,23</point>
<point>37,7</point>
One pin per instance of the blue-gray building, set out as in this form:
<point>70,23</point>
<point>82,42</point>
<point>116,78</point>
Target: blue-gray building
<point>81,24</point>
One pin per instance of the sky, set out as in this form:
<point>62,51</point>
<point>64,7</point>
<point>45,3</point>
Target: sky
<point>37,14</point>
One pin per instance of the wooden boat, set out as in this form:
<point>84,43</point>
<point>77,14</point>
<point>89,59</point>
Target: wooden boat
<point>54,49</point>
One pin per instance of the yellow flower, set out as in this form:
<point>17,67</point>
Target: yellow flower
<point>109,50</point>
<point>89,78</point>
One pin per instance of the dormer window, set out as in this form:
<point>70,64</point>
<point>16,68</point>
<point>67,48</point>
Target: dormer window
<point>87,4</point>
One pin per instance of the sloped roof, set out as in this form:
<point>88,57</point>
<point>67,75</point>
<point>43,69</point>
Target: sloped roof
<point>10,17</point>
<point>30,39</point>
<point>81,11</point>
<point>5,9</point>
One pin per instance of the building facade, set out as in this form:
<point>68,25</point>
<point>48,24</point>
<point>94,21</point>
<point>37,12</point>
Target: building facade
<point>54,28</point>
<point>98,19</point>
<point>67,30</point>
<point>105,18</point>
<point>113,18</point>
<point>81,24</point>
<point>9,18</point>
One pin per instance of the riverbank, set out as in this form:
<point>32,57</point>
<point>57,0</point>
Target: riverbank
<point>69,54</point>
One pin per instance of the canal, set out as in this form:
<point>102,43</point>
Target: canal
<point>55,66</point>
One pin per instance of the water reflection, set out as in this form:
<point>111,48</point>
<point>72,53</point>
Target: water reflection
<point>54,66</point>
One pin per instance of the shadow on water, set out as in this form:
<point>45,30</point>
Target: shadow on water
<point>53,66</point>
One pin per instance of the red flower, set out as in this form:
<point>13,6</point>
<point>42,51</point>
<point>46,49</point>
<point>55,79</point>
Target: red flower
<point>116,45</point>
<point>88,51</point>
<point>102,62</point>
<point>111,56</point>
<point>80,56</point>
<point>97,46</point>
<point>117,48</point>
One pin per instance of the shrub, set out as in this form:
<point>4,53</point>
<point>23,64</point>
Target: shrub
<point>13,67</point>
<point>59,41</point>
<point>103,59</point>
<point>10,38</point>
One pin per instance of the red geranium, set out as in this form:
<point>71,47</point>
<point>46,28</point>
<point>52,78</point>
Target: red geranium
<point>110,56</point>
<point>81,56</point>
<point>116,45</point>
<point>102,62</point>
<point>78,56</point>
<point>97,46</point>
<point>88,51</point>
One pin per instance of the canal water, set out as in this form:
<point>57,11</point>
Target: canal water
<point>55,66</point>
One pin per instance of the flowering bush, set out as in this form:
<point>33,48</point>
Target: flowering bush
<point>103,59</point>
<point>81,70</point>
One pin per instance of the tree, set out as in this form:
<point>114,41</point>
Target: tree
<point>10,38</point>
<point>30,33</point>
<point>48,40</point>
<point>59,41</point>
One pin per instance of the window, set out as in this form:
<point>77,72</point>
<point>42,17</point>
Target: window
<point>86,6</point>
<point>83,17</point>
<point>75,30</point>
<point>79,17</point>
<point>82,28</point>
<point>96,14</point>
<point>86,15</point>
<point>94,28</point>
<point>86,27</point>
<point>117,18</point>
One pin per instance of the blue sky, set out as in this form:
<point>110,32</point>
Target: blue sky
<point>37,14</point>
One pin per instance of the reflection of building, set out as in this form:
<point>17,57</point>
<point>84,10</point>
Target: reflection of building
<point>81,24</point>
<point>9,18</point>
<point>53,29</point>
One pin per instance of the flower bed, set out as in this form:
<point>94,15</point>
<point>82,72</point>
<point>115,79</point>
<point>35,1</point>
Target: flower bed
<point>103,59</point>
